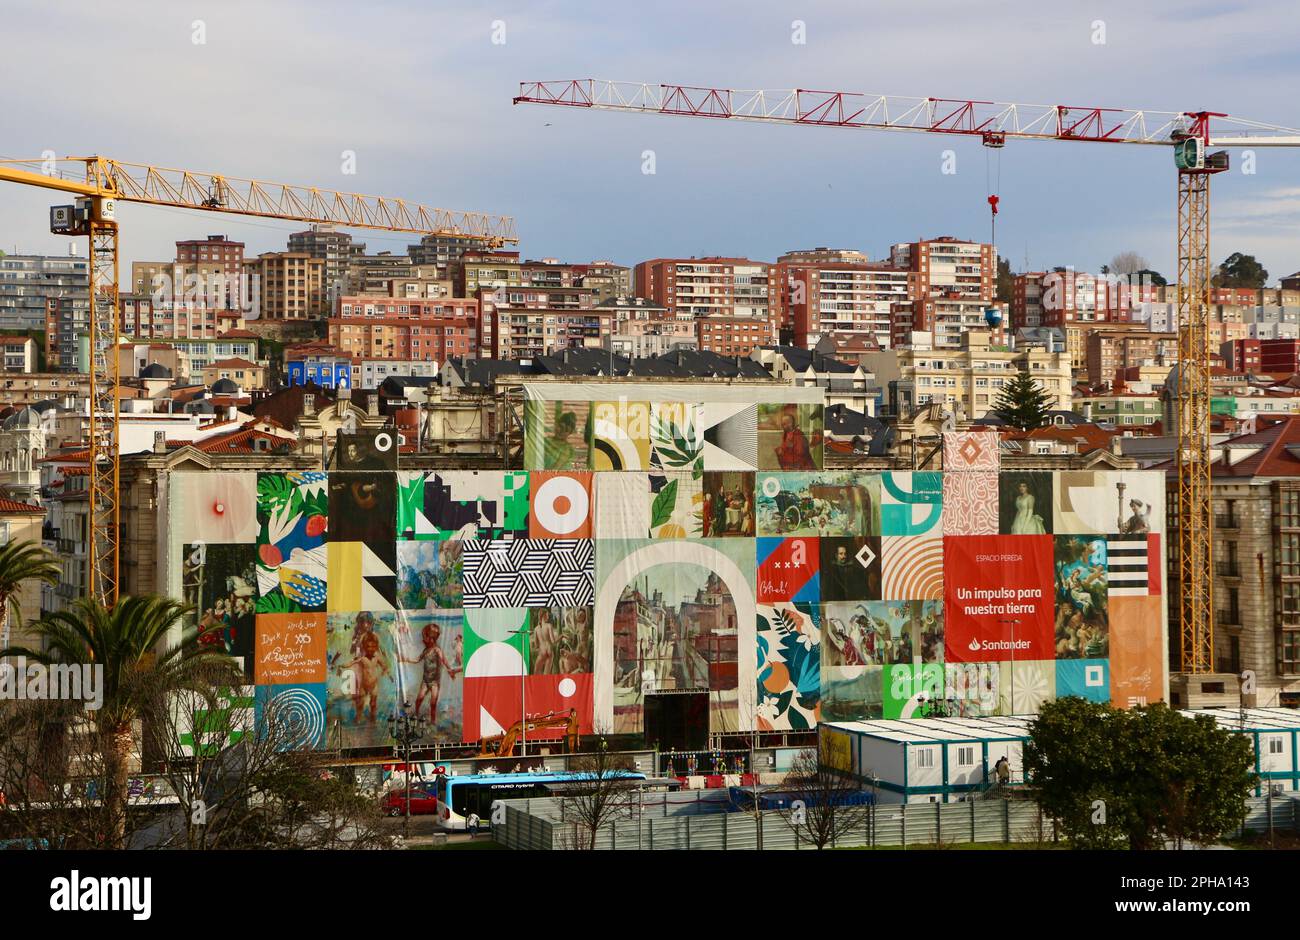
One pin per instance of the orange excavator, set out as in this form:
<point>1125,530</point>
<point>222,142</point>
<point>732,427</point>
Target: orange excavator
<point>503,745</point>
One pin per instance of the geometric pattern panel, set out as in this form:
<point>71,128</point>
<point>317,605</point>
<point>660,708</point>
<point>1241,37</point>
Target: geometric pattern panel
<point>912,568</point>
<point>970,450</point>
<point>529,573</point>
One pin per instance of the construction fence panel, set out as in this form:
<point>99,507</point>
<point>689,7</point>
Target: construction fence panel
<point>690,823</point>
<point>1284,810</point>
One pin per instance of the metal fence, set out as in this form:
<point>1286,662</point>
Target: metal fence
<point>700,820</point>
<point>1265,814</point>
<point>704,823</point>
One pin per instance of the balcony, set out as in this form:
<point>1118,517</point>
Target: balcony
<point>1227,618</point>
<point>1227,569</point>
<point>1226,522</point>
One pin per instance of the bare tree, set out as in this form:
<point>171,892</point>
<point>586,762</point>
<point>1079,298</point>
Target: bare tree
<point>1127,263</point>
<point>823,803</point>
<point>605,792</point>
<point>245,784</point>
<point>230,785</point>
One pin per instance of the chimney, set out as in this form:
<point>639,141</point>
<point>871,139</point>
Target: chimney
<point>372,405</point>
<point>160,442</point>
<point>231,413</point>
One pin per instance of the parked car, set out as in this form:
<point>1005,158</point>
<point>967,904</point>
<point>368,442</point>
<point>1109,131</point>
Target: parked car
<point>423,802</point>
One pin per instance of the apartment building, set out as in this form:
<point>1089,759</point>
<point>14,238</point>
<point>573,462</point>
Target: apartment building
<point>29,282</point>
<point>953,284</point>
<point>525,297</point>
<point>642,328</point>
<point>205,283</point>
<point>605,279</point>
<point>1111,350</point>
<point>946,320</point>
<point>290,285</point>
<point>1275,356</point>
<point>968,379</point>
<point>548,272</point>
<point>1125,411</point>
<point>442,253</point>
<point>1027,300</point>
<point>142,318</point>
<point>405,329</point>
<point>1255,489</point>
<point>335,249</point>
<point>728,297</point>
<point>1063,295</point>
<point>482,270</point>
<point>840,292</point>
<point>519,333</point>
<point>201,353</point>
<point>423,288</point>
<point>67,333</point>
<point>948,266</point>
<point>249,376</point>
<point>19,353</point>
<point>17,387</point>
<point>377,274</point>
<point>22,522</point>
<point>215,251</point>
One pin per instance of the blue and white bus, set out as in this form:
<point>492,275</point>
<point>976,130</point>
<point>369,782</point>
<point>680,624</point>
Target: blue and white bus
<point>459,797</point>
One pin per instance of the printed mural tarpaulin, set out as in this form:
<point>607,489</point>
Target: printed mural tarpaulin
<point>622,426</point>
<point>772,598</point>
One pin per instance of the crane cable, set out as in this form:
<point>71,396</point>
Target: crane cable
<point>992,185</point>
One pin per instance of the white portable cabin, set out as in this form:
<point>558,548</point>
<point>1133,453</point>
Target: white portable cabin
<point>927,760</point>
<point>1274,732</point>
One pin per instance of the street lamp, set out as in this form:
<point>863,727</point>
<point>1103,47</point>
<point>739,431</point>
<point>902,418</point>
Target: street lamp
<point>523,689</point>
<point>406,728</point>
<point>1013,624</point>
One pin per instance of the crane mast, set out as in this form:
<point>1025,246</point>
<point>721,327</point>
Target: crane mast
<point>100,185</point>
<point>994,123</point>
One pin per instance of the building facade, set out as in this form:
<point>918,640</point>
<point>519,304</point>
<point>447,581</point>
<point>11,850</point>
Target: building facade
<point>289,285</point>
<point>29,282</point>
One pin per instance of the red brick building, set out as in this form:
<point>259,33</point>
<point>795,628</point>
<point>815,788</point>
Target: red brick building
<point>405,328</point>
<point>1269,356</point>
<point>733,291</point>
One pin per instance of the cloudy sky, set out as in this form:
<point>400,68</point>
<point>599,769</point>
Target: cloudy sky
<point>422,95</point>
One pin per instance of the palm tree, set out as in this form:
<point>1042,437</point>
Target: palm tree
<point>141,675</point>
<point>21,562</point>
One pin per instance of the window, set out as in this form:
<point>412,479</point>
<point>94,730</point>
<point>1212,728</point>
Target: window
<point>965,756</point>
<point>1275,744</point>
<point>925,758</point>
<point>1290,650</point>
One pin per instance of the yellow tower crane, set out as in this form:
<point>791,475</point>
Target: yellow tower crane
<point>99,184</point>
<point>1188,132</point>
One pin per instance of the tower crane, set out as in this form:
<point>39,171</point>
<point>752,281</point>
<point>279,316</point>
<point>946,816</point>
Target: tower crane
<point>98,183</point>
<point>1188,133</point>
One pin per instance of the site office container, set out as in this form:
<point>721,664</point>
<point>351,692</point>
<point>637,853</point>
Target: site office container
<point>925,761</point>
<point>1274,733</point>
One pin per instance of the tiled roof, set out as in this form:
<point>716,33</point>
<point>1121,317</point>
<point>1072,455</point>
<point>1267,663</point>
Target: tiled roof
<point>243,442</point>
<point>12,505</point>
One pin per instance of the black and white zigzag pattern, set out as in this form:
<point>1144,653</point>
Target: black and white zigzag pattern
<point>529,573</point>
<point>1127,562</point>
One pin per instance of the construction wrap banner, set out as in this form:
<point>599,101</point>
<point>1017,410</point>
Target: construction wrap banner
<point>618,426</point>
<point>767,599</point>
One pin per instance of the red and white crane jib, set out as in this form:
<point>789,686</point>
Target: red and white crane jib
<point>993,122</point>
